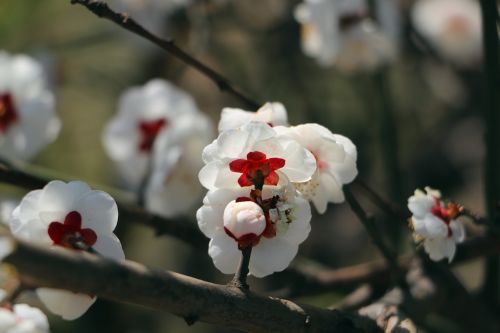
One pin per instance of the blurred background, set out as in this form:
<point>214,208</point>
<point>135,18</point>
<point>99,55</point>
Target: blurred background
<point>415,120</point>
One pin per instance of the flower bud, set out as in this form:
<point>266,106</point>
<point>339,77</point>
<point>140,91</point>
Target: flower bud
<point>244,218</point>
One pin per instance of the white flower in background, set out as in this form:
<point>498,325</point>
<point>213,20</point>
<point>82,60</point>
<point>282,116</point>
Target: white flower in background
<point>339,32</point>
<point>23,318</point>
<point>453,28</point>
<point>143,114</point>
<point>7,206</point>
<point>274,227</point>
<point>27,118</point>
<point>335,157</point>
<point>254,153</point>
<point>73,216</point>
<point>435,223</point>
<point>6,246</point>
<point>273,114</point>
<point>173,187</point>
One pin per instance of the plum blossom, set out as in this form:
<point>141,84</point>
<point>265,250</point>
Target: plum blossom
<point>273,114</point>
<point>27,117</point>
<point>335,157</point>
<point>22,318</point>
<point>340,33</point>
<point>73,216</point>
<point>254,155</point>
<point>273,222</point>
<point>173,187</point>
<point>143,114</point>
<point>435,222</point>
<point>452,27</point>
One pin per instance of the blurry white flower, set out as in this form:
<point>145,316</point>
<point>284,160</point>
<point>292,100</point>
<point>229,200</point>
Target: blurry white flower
<point>23,318</point>
<point>435,223</point>
<point>73,216</point>
<point>143,114</point>
<point>6,246</point>
<point>274,228</point>
<point>335,157</point>
<point>453,27</point>
<point>252,154</point>
<point>273,114</point>
<point>27,118</point>
<point>173,187</point>
<point>7,206</point>
<point>339,32</point>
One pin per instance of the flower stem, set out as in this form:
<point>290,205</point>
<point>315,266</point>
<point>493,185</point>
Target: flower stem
<point>492,138</point>
<point>240,278</point>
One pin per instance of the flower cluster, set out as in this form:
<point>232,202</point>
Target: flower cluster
<point>435,223</point>
<point>73,216</point>
<point>341,33</point>
<point>156,139</point>
<point>260,175</point>
<point>27,118</point>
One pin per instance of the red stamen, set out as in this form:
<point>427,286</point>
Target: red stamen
<point>257,169</point>
<point>70,233</point>
<point>149,130</point>
<point>8,112</point>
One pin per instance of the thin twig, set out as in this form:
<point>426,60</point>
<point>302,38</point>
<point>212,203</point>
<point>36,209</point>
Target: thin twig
<point>101,9</point>
<point>190,298</point>
<point>368,223</point>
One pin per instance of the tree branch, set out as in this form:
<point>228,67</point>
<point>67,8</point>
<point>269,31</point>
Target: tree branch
<point>101,9</point>
<point>181,295</point>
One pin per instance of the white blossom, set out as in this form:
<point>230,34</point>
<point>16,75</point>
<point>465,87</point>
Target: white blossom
<point>73,216</point>
<point>339,32</point>
<point>173,186</point>
<point>335,157</point>
<point>23,318</point>
<point>27,117</point>
<point>287,218</point>
<point>436,224</point>
<point>240,157</point>
<point>143,114</point>
<point>453,28</point>
<point>273,114</point>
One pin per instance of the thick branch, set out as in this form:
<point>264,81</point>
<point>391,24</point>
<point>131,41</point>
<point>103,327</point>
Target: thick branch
<point>101,9</point>
<point>181,228</point>
<point>181,295</point>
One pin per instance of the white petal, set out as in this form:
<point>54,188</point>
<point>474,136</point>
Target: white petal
<point>331,188</point>
<point>110,247</point>
<point>457,230</point>
<point>300,164</point>
<point>299,228</point>
<point>64,303</point>
<point>6,247</point>
<point>27,208</point>
<point>439,248</point>
<point>59,196</point>
<point>224,252</point>
<point>33,315</point>
<point>435,226</point>
<point>232,118</point>
<point>99,212</point>
<point>271,255</point>
<point>420,206</point>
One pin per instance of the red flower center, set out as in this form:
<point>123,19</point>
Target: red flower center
<point>149,131</point>
<point>8,112</point>
<point>70,233</point>
<point>257,169</point>
<point>445,214</point>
